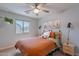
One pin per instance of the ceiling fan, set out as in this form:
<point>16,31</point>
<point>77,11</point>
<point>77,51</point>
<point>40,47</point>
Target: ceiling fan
<point>37,8</point>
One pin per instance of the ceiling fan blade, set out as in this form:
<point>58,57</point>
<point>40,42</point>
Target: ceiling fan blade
<point>27,11</point>
<point>46,11</point>
<point>32,6</point>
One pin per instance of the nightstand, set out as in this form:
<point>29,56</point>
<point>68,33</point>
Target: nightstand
<point>69,49</point>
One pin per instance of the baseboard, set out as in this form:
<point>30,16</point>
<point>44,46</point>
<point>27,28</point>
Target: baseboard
<point>5,48</point>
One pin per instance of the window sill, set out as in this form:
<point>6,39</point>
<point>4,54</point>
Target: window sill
<point>22,33</point>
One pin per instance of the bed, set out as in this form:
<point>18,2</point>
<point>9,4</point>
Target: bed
<point>36,46</point>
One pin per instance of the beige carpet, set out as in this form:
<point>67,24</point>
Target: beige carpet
<point>9,52</point>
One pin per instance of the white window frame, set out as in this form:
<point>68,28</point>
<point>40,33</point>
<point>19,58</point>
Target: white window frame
<point>22,29</point>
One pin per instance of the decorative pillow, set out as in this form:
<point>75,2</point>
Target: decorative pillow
<point>52,34</point>
<point>59,35</point>
<point>56,35</point>
<point>46,35</point>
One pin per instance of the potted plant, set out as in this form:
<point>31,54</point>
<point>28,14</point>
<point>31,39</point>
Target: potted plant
<point>9,20</point>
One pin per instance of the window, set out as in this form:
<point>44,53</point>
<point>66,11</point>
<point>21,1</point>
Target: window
<point>22,26</point>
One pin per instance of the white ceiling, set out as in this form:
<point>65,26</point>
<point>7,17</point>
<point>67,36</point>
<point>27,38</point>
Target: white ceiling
<point>19,8</point>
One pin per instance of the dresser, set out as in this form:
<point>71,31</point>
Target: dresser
<point>69,49</point>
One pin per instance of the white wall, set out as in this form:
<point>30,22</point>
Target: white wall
<point>8,34</point>
<point>71,15</point>
<point>48,18</point>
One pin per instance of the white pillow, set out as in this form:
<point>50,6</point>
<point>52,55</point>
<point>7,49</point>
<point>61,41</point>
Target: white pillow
<point>46,35</point>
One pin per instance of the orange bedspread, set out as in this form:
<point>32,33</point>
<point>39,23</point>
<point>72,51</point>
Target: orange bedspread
<point>35,46</point>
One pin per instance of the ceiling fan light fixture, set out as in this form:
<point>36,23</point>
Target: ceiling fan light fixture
<point>36,11</point>
<point>37,8</point>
